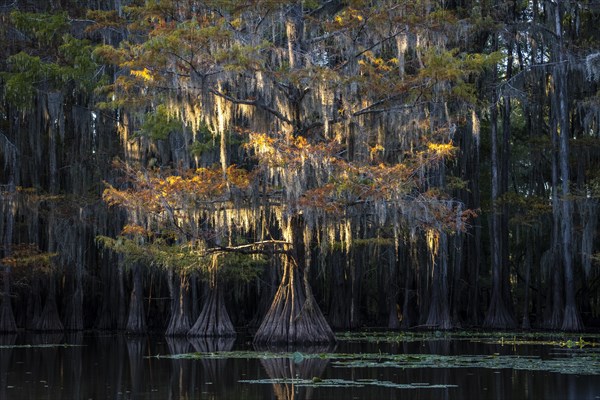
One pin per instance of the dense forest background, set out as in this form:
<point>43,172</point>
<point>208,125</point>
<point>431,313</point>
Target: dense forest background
<point>297,166</point>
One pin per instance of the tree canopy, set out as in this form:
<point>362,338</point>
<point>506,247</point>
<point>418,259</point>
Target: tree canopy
<point>325,163</point>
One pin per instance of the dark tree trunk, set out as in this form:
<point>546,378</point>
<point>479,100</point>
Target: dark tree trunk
<point>7,318</point>
<point>571,318</point>
<point>179,322</point>
<point>74,319</point>
<point>268,284</point>
<point>526,323</point>
<point>214,319</point>
<point>122,299</point>
<point>294,316</point>
<point>555,261</point>
<point>498,315</point>
<point>457,287</point>
<point>504,177</point>
<point>34,304</point>
<point>393,322</point>
<point>109,306</point>
<point>409,305</point>
<point>49,319</point>
<point>439,310</point>
<point>341,293</point>
<point>136,321</point>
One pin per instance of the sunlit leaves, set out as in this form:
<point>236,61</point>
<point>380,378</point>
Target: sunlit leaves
<point>157,192</point>
<point>454,69</point>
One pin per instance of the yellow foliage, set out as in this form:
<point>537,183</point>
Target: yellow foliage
<point>442,149</point>
<point>144,74</point>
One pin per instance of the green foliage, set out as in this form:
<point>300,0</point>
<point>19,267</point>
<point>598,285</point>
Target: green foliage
<point>44,29</point>
<point>77,63</point>
<point>19,84</point>
<point>54,61</point>
<point>457,69</point>
<point>206,144</point>
<point>241,267</point>
<point>164,252</point>
<point>158,125</point>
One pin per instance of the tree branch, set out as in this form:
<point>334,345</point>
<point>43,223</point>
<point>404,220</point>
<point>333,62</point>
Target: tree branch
<point>254,103</point>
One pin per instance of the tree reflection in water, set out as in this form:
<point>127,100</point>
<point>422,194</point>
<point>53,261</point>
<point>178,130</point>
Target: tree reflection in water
<point>289,369</point>
<point>114,366</point>
<point>73,364</point>
<point>136,346</point>
<point>214,371</point>
<point>6,341</point>
<point>182,380</point>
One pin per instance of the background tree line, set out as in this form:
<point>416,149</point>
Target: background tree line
<point>297,166</point>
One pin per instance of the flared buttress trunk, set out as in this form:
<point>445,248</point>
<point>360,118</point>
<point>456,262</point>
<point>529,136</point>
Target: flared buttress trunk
<point>49,319</point>
<point>179,323</point>
<point>213,319</point>
<point>294,316</point>
<point>136,323</point>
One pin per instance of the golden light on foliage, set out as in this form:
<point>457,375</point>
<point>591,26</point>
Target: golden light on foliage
<point>143,74</point>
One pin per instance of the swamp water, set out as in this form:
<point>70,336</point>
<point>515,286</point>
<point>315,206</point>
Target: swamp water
<point>360,366</point>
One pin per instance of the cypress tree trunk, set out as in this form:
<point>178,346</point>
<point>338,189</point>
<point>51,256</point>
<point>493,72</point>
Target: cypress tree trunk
<point>179,323</point>
<point>49,319</point>
<point>439,310</point>
<point>526,324</point>
<point>122,300</point>
<point>136,322</point>
<point>340,295</point>
<point>555,261</point>
<point>74,319</point>
<point>294,316</point>
<point>497,315</point>
<point>409,305</point>
<point>571,317</point>
<point>392,293</point>
<point>213,319</point>
<point>7,318</point>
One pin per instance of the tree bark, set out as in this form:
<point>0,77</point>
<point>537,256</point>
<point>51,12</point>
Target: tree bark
<point>497,315</point>
<point>136,321</point>
<point>213,319</point>
<point>7,318</point>
<point>294,316</point>
<point>571,318</point>
<point>439,310</point>
<point>49,319</point>
<point>179,322</point>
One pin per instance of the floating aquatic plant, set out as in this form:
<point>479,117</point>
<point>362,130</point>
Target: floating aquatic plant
<point>316,383</point>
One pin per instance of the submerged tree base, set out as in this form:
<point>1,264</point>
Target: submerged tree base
<point>498,316</point>
<point>7,318</point>
<point>294,316</point>
<point>572,320</point>
<point>214,319</point>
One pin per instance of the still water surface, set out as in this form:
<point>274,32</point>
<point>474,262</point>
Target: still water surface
<point>112,366</point>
